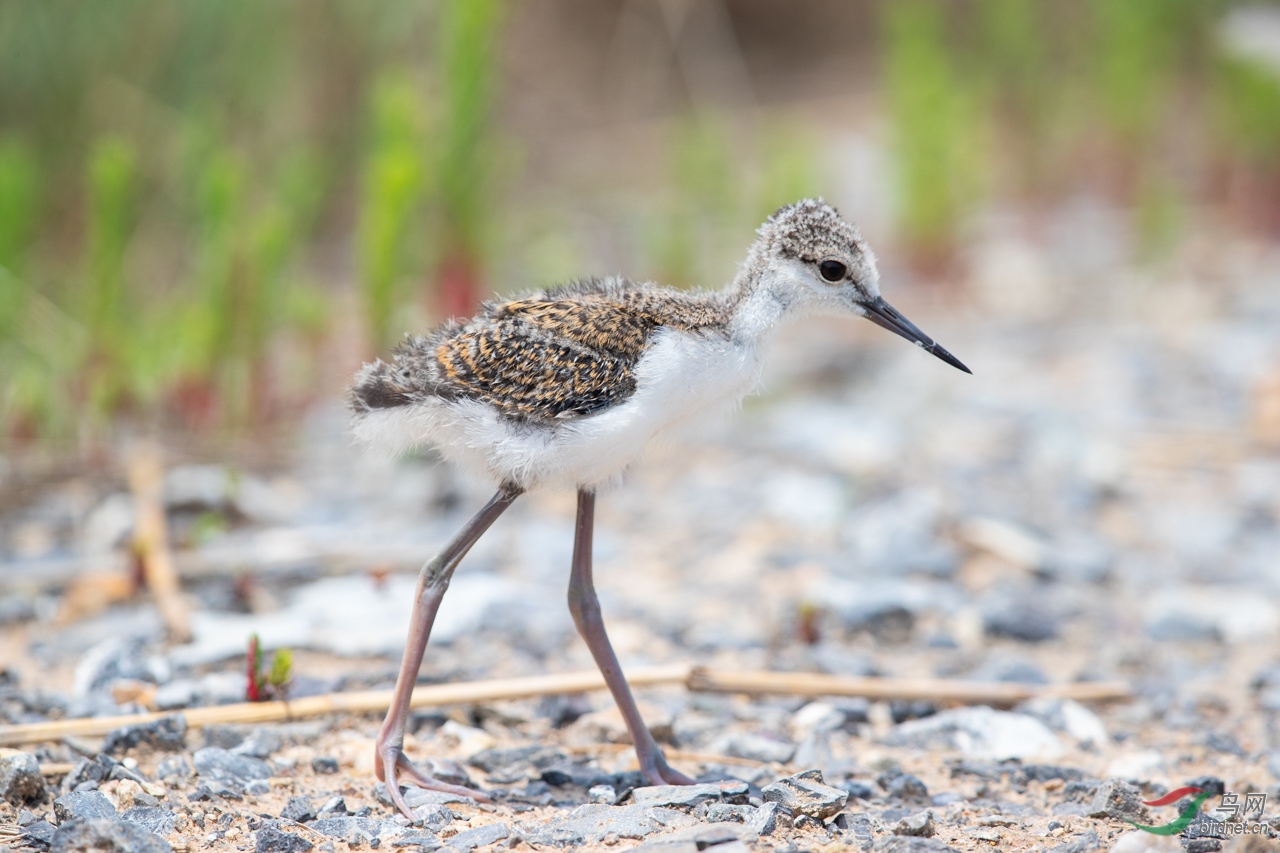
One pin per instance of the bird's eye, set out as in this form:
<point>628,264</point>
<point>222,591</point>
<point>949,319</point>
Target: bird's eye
<point>832,270</point>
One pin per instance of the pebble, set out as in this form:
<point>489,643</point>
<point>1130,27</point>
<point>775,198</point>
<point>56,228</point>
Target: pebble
<point>606,794</point>
<point>754,747</point>
<point>980,732</point>
<point>1021,617</point>
<point>271,839</point>
<point>433,816</point>
<point>168,734</point>
<point>909,844</point>
<point>920,824</point>
<point>219,764</point>
<point>904,786</point>
<point>106,835</point>
<point>1070,717</point>
<point>40,833</point>
<point>481,836</point>
<point>155,819</point>
<point>719,839</point>
<point>298,809</point>
<point>1085,842</point>
<point>20,779</point>
<point>590,824</point>
<point>365,827</point>
<point>807,794</point>
<point>1145,842</point>
<point>677,796</point>
<point>1116,798</point>
<point>324,765</point>
<point>768,819</point>
<point>83,804</point>
<point>724,813</point>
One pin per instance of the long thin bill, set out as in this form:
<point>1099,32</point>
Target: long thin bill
<point>886,316</point>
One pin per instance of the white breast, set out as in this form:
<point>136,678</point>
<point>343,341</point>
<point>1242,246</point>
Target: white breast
<point>680,375</point>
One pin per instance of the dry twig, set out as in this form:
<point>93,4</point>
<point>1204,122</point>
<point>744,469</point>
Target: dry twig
<point>792,683</point>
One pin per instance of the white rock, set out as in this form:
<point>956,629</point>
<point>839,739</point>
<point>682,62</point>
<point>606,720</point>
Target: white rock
<point>1069,716</point>
<point>816,716</point>
<point>468,739</point>
<point>981,732</point>
<point>1145,842</point>
<point>1005,539</point>
<point>1136,766</point>
<point>108,524</point>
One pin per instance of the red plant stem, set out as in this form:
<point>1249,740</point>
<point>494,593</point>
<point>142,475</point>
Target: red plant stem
<point>251,689</point>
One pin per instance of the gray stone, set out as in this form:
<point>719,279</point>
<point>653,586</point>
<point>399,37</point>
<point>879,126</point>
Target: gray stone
<point>415,797</point>
<point>39,834</point>
<point>85,770</point>
<point>260,743</point>
<point>16,608</point>
<point>768,819</point>
<point>174,768</point>
<point>734,791</point>
<point>920,824</point>
<point>606,794</point>
<point>805,793</point>
<point>167,733</point>
<point>904,786</point>
<point>299,810</point>
<point>153,818</point>
<point>857,827</point>
<point>20,779</point>
<point>721,839</point>
<point>433,816</point>
<point>83,804</point>
<point>325,765</point>
<point>1020,618</point>
<point>754,748</point>
<point>589,824</point>
<point>1086,842</point>
<point>272,839</point>
<point>724,813</point>
<point>909,844</point>
<point>481,836</point>
<point>106,835</point>
<point>333,807</point>
<point>216,763</point>
<point>366,828</point>
<point>677,796</point>
<point>1118,799</point>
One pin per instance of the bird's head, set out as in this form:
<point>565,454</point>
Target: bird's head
<point>819,263</point>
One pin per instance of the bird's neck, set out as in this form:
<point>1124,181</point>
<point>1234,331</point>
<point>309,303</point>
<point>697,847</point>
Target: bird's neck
<point>758,305</point>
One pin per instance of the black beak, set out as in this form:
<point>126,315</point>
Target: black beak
<point>886,316</point>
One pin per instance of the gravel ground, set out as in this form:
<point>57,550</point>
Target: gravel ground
<point>1100,501</point>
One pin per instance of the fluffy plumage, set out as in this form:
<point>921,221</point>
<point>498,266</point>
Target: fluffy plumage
<point>567,386</point>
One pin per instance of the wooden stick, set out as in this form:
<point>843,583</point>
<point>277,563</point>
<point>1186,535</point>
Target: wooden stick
<point>151,538</point>
<point>356,702</point>
<point>792,683</point>
<point>935,689</point>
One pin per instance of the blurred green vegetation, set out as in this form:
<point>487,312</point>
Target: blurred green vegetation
<point>200,202</point>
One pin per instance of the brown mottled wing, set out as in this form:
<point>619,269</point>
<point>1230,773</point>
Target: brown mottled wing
<point>548,359</point>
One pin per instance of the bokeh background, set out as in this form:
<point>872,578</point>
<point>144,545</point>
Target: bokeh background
<point>209,213</point>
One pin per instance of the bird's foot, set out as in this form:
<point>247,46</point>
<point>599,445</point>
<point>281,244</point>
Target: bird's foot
<point>393,764</point>
<point>658,772</point>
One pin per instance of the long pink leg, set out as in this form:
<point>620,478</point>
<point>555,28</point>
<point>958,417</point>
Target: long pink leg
<point>585,607</point>
<point>433,580</point>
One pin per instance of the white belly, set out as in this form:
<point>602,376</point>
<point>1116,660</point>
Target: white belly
<point>681,375</point>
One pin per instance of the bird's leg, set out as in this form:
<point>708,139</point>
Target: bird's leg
<point>585,607</point>
<point>433,580</point>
